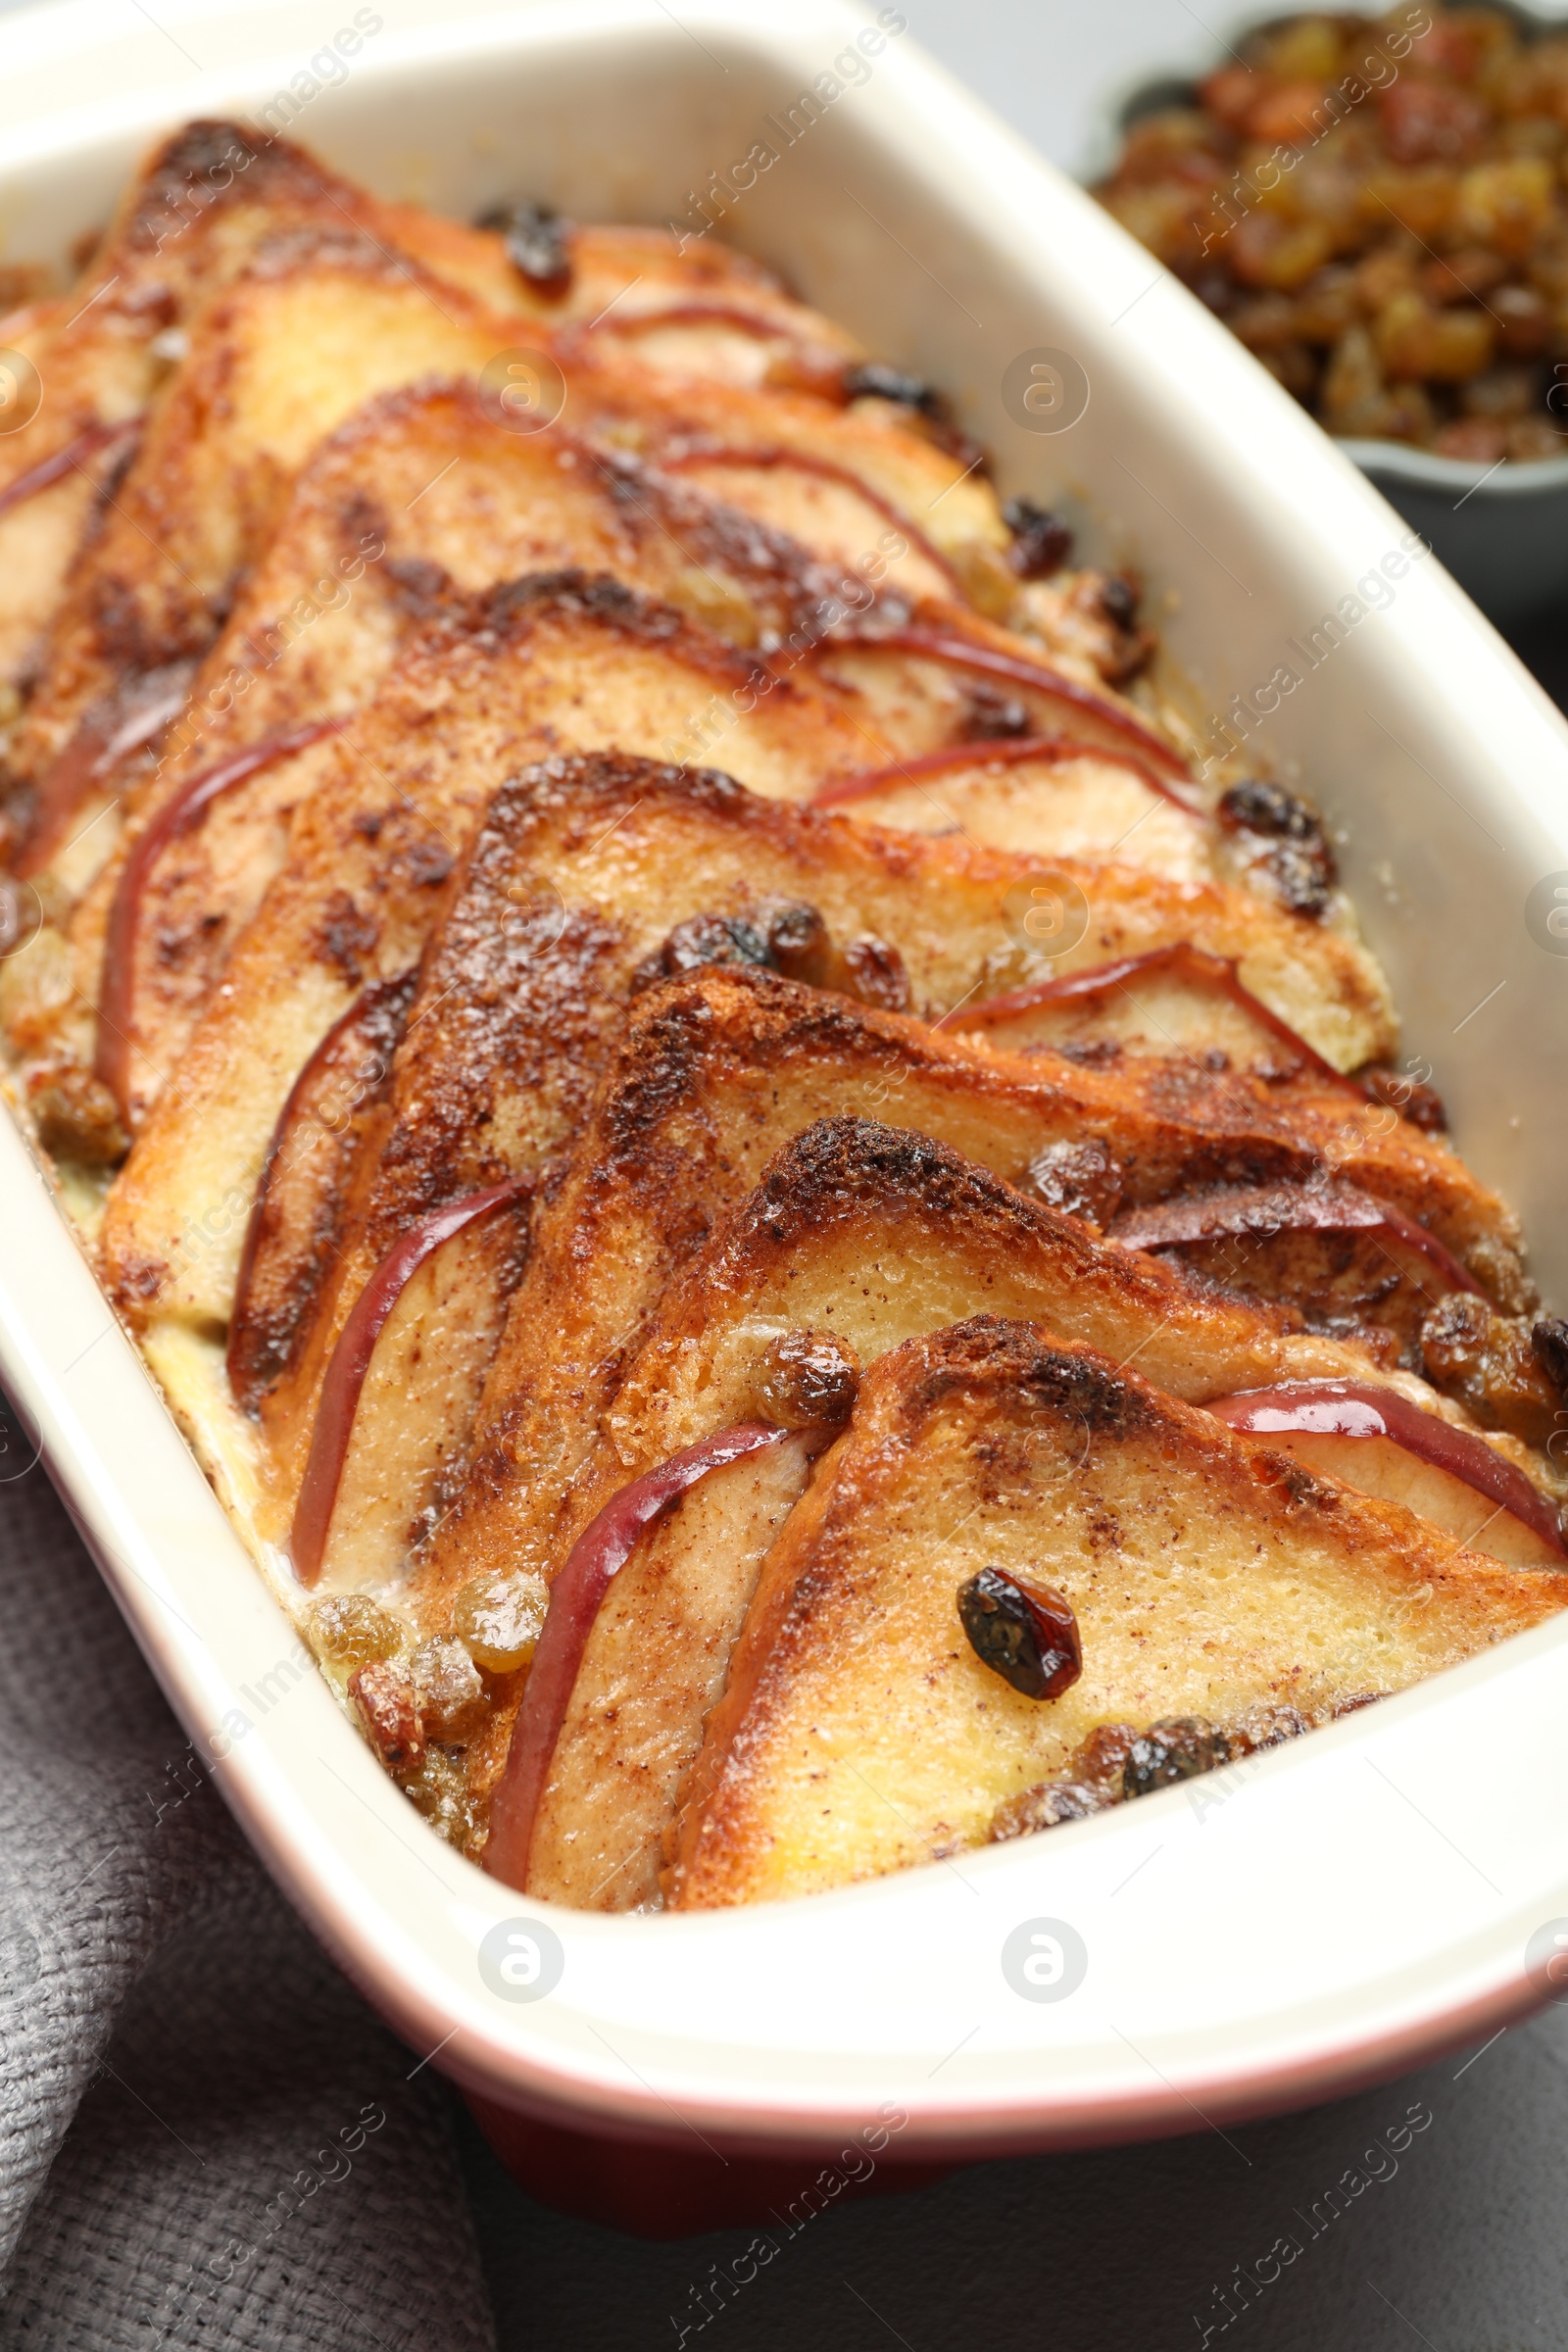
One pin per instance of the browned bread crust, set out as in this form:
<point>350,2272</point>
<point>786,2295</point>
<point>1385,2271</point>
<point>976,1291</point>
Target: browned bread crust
<point>710,1077</point>
<point>860,1733</point>
<point>866,1236</point>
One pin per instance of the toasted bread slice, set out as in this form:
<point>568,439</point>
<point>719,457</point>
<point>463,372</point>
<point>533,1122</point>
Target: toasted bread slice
<point>314,327</point>
<point>491,686</point>
<point>419,497</point>
<point>188,224</point>
<point>859,1732</point>
<point>864,1237</point>
<point>650,869</point>
<point>713,1074</point>
<point>644,869</point>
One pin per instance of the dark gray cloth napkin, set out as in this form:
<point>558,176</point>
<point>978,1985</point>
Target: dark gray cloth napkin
<point>206,2137</point>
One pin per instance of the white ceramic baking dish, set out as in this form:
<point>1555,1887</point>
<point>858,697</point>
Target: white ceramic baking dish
<point>1348,1903</point>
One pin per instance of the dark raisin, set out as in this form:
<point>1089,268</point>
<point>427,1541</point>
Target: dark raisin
<point>1118,601</point>
<point>77,1117</point>
<point>1290,845</point>
<point>1265,1724</point>
<point>1042,543</point>
<point>1421,1105</point>
<point>876,380</point>
<point>1254,807</point>
<point>1178,1750</point>
<point>993,718</point>
<point>1080,1177</point>
<point>799,943</point>
<point>1548,1342</point>
<point>874,973</point>
<point>809,1378</point>
<point>704,938</point>
<point>537,245</point>
<point>1358,1700</point>
<point>1022,1631</point>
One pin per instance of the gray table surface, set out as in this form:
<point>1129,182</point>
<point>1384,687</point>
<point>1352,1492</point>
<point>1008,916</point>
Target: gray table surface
<point>1459,2243</point>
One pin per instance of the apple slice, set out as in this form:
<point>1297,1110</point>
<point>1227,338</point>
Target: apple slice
<point>133,714</point>
<point>1376,1440</point>
<point>599,1554</point>
<point>180,813</point>
<point>1182,962</point>
<point>930,644</point>
<point>1007,753</point>
<point>295,1219</point>
<point>1257,1211</point>
<point>815,364</point>
<point>716,457</point>
<point>345,1378</point>
<point>89,442</point>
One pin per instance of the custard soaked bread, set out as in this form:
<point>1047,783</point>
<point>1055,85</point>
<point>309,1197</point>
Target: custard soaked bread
<point>734,1167</point>
<point>630,872</point>
<point>708,1078</point>
<point>1209,1579</point>
<point>857,1238</point>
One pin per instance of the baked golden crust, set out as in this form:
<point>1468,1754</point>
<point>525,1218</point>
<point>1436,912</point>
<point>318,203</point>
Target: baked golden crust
<point>859,1733</point>
<point>863,1237</point>
<point>494,684</point>
<point>590,876</point>
<point>712,1075</point>
<point>657,939</point>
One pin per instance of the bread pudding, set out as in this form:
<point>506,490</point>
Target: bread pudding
<point>795,1241</point>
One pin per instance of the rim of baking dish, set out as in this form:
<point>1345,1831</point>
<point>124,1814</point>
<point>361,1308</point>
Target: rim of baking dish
<point>1321,1916</point>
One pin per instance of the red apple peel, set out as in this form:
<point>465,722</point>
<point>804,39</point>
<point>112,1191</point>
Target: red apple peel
<point>1345,1408</point>
<point>826,468</point>
<point>49,471</point>
<point>1010,751</point>
<point>1183,962</point>
<point>597,1558</point>
<point>180,813</point>
<point>1286,1207</point>
<point>967,653</point>
<point>350,1360</point>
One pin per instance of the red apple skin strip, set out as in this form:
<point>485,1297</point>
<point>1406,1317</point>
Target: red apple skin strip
<point>379,992</point>
<point>599,1554</point>
<point>964,653</point>
<point>350,1360</point>
<point>49,471</point>
<point>134,715</point>
<point>701,314</point>
<point>1185,962</point>
<point>1009,753</point>
<point>179,814</point>
<point>826,468</point>
<point>1291,1208</point>
<point>1345,1408</point>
